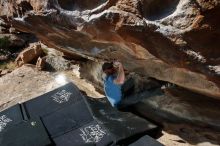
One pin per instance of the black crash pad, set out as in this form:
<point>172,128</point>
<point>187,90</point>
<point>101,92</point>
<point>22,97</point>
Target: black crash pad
<point>30,133</point>
<point>91,134</point>
<point>68,118</point>
<point>146,141</point>
<point>52,101</point>
<point>124,127</point>
<point>10,117</point>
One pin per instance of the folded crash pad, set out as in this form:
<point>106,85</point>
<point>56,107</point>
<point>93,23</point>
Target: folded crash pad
<point>10,117</point>
<point>68,123</point>
<point>26,133</point>
<point>52,101</point>
<point>68,118</point>
<point>146,141</point>
<point>123,127</point>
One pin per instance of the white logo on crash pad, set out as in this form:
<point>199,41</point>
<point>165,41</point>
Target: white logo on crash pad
<point>92,133</point>
<point>61,96</point>
<point>4,121</point>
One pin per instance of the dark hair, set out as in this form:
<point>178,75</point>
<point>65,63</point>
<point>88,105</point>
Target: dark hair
<point>107,65</point>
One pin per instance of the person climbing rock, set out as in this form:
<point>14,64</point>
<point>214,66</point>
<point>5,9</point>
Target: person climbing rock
<point>122,92</point>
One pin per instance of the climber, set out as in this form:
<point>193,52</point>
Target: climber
<point>118,90</point>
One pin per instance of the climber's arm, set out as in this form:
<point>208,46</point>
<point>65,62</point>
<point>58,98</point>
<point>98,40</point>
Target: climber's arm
<point>121,75</point>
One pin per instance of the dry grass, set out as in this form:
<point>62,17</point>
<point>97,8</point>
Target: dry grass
<point>8,65</point>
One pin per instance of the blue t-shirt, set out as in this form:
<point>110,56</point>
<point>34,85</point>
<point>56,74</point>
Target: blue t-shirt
<point>112,90</point>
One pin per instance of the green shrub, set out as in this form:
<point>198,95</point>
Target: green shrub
<point>4,42</point>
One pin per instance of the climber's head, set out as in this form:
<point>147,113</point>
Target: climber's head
<point>108,68</point>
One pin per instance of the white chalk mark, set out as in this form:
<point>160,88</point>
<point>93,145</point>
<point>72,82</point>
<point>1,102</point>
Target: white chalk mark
<point>216,69</point>
<point>92,133</point>
<point>61,96</point>
<point>3,122</point>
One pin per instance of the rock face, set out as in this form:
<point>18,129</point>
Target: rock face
<point>29,55</point>
<point>181,106</point>
<point>170,40</point>
<point>56,63</point>
<point>12,41</point>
